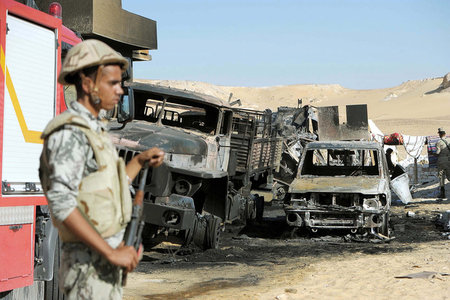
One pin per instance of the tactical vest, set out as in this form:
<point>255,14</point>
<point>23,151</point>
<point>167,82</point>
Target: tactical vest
<point>103,196</point>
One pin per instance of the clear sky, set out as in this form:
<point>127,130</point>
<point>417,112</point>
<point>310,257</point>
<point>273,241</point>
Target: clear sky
<point>359,44</point>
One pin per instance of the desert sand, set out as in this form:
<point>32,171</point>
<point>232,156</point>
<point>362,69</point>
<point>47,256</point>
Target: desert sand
<point>259,266</point>
<point>413,108</point>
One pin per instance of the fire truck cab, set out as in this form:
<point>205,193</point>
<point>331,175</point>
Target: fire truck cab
<point>33,44</point>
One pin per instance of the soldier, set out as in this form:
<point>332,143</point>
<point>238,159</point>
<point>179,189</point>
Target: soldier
<point>85,181</point>
<point>443,152</point>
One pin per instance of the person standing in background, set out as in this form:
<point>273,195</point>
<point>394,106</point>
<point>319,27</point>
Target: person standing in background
<point>443,163</point>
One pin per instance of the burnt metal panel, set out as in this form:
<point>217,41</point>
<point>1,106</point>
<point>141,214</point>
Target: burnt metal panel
<point>355,127</point>
<point>344,145</point>
<point>153,214</point>
<point>172,140</point>
<point>344,184</point>
<point>328,123</point>
<point>106,20</point>
<point>357,116</point>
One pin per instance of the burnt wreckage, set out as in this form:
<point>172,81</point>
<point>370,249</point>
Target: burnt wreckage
<point>341,184</point>
<point>214,154</point>
<point>298,127</point>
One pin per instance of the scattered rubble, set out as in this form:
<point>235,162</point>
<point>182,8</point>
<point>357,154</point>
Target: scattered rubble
<point>443,220</point>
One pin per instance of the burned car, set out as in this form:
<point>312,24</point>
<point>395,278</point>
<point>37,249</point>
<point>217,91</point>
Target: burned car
<point>341,185</point>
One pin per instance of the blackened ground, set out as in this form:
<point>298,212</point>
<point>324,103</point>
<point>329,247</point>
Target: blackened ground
<point>247,252</point>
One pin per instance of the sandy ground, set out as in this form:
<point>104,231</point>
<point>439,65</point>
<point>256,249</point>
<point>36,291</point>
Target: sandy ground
<point>266,261</point>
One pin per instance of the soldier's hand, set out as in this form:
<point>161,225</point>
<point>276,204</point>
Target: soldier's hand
<point>124,256</point>
<point>153,156</point>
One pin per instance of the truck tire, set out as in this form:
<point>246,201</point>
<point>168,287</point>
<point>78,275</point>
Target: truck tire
<point>212,235</point>
<point>51,288</point>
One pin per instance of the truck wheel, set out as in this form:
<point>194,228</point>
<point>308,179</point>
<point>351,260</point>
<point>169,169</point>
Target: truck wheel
<point>212,234</point>
<point>51,288</point>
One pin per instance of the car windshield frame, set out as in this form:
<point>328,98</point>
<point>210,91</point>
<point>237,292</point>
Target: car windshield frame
<point>336,162</point>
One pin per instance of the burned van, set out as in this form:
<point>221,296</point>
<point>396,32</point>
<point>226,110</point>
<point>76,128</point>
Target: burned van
<point>341,185</point>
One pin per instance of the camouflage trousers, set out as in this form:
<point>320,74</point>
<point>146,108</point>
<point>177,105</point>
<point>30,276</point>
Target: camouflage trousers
<point>443,173</point>
<point>85,274</point>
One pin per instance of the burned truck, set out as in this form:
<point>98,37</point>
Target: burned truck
<point>341,185</point>
<point>214,153</point>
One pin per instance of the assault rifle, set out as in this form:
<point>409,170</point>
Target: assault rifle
<point>133,232</point>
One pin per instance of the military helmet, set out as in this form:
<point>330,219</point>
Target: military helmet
<point>441,130</point>
<point>87,54</point>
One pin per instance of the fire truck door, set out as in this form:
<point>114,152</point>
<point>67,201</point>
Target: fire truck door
<point>29,100</point>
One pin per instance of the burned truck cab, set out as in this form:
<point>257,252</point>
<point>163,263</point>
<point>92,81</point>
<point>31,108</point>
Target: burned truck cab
<point>194,131</point>
<point>214,155</point>
<point>341,185</point>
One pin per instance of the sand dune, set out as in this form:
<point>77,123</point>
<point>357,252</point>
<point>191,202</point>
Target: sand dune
<point>413,108</point>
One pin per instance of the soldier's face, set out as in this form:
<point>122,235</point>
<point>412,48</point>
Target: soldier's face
<point>109,87</point>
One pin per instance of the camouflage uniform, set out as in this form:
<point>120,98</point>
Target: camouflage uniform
<point>443,160</point>
<point>83,272</point>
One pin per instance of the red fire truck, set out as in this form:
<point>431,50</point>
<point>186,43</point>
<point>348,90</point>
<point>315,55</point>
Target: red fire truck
<point>33,44</point>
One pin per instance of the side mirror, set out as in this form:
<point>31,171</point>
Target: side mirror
<point>125,108</point>
<point>128,74</point>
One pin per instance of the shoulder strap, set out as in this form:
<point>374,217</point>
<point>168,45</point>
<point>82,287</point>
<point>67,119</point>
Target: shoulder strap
<point>66,118</point>
<point>446,143</point>
<point>96,142</point>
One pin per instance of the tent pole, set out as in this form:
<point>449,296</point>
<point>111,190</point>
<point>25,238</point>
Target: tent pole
<point>416,177</point>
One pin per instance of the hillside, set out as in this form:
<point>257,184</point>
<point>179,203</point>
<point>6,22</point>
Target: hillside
<point>412,108</point>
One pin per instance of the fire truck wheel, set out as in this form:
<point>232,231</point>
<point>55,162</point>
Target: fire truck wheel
<point>51,289</point>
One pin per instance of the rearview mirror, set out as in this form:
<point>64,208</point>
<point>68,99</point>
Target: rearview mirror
<point>125,107</point>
